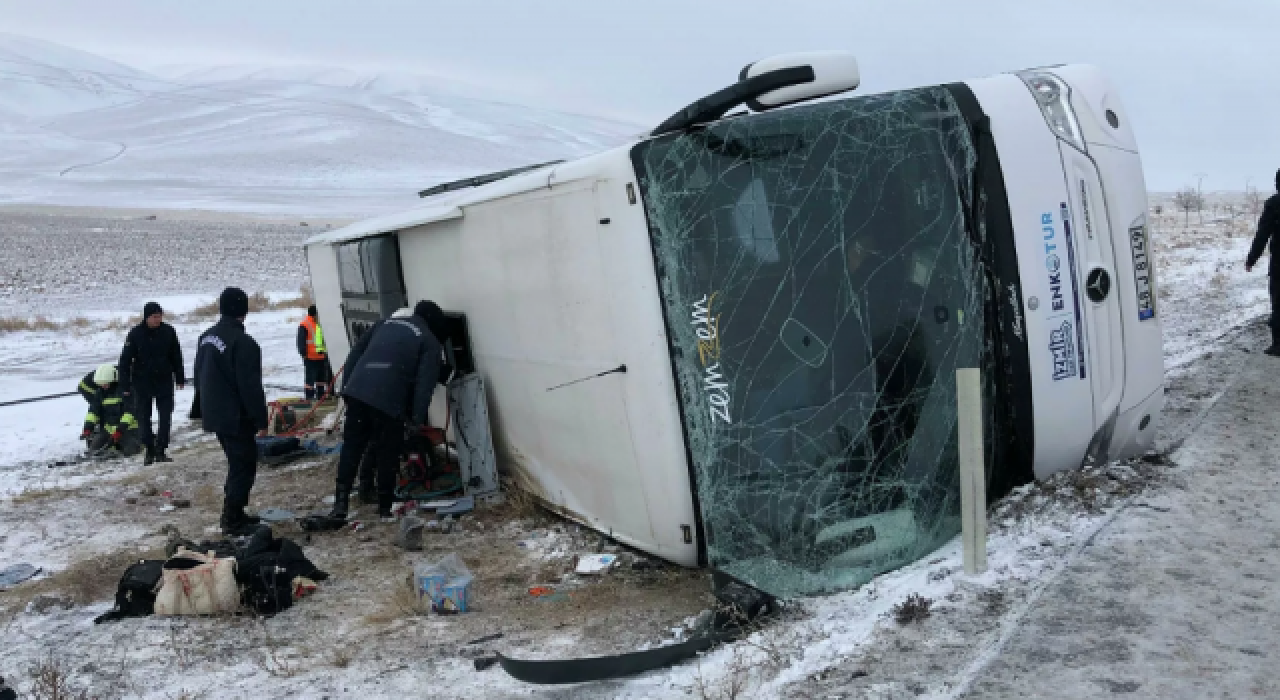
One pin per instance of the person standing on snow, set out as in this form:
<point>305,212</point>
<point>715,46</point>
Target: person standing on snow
<point>391,374</point>
<point>232,403</point>
<point>150,365</point>
<point>315,357</point>
<point>109,422</point>
<point>1268,232</point>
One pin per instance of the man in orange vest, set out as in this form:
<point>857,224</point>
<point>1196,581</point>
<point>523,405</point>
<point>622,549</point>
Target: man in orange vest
<point>315,360</point>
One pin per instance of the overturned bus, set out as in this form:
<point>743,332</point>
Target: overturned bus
<point>733,342</point>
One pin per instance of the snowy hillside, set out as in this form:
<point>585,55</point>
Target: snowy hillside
<point>79,130</point>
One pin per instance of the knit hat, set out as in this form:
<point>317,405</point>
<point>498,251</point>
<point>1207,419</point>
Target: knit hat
<point>151,308</point>
<point>311,311</point>
<point>430,312</point>
<point>233,302</point>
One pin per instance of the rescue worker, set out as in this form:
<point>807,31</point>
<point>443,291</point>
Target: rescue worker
<point>232,404</point>
<point>109,422</point>
<point>315,358</point>
<point>391,374</point>
<point>150,365</point>
<point>1268,232</point>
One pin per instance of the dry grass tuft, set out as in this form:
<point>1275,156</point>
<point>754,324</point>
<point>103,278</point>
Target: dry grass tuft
<point>258,301</point>
<point>915,608</point>
<point>51,680</point>
<point>404,601</point>
<point>33,495</point>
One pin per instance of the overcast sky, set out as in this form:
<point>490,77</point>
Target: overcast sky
<point>1198,77</point>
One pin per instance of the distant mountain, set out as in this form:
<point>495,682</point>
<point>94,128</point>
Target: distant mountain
<point>78,129</point>
<point>39,79</point>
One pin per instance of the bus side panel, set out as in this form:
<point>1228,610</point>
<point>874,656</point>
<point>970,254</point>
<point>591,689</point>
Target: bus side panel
<point>1033,174</point>
<point>541,294</point>
<point>322,261</point>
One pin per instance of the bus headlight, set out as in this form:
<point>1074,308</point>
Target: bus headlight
<point>1054,97</point>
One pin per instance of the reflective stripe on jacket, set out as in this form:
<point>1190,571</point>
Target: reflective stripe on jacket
<point>315,339</point>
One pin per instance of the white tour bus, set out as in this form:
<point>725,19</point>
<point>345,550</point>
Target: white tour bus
<point>768,308</point>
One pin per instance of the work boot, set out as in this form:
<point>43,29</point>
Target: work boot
<point>161,457</point>
<point>385,501</point>
<point>149,457</point>
<point>341,502</point>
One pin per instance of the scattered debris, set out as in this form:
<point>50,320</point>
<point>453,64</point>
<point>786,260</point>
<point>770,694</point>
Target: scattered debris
<point>276,515</point>
<point>45,602</point>
<point>595,563</point>
<point>463,505</point>
<point>150,492</point>
<point>446,582</point>
<point>485,663</point>
<point>181,503</point>
<point>168,508</point>
<point>914,609</point>
<point>131,500</point>
<point>486,638</point>
<point>409,537</point>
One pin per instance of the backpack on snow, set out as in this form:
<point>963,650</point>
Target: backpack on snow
<point>136,593</point>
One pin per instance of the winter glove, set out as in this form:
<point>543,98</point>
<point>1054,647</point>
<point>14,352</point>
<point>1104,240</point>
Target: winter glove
<point>115,437</point>
<point>84,434</point>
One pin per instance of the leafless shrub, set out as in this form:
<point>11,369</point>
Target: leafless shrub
<point>1188,200</point>
<point>51,680</point>
<point>341,658</point>
<point>915,608</point>
<point>733,685</point>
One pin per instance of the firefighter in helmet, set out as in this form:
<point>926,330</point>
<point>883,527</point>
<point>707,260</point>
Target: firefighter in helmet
<point>110,423</point>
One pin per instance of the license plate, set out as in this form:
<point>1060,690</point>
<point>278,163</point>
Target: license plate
<point>1142,273</point>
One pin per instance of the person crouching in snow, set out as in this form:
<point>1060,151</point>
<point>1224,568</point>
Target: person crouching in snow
<point>110,423</point>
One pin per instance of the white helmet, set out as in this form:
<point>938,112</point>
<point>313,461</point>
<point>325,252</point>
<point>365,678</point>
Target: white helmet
<point>105,375</point>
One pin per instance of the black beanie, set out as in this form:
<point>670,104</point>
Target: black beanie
<point>151,308</point>
<point>233,302</point>
<point>430,312</point>
<point>311,311</point>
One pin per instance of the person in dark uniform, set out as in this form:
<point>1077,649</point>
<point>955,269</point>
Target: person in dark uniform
<point>150,365</point>
<point>315,357</point>
<point>232,403</point>
<point>109,422</point>
<point>1268,232</point>
<point>391,374</point>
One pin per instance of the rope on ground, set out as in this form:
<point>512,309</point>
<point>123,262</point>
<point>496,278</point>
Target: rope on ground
<point>34,399</point>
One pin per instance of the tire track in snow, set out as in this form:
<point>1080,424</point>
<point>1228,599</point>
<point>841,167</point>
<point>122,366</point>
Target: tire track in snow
<point>104,161</point>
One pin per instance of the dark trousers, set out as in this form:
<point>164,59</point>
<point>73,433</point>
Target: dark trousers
<point>143,397</point>
<point>315,372</point>
<point>367,427</point>
<point>242,465</point>
<point>1273,286</point>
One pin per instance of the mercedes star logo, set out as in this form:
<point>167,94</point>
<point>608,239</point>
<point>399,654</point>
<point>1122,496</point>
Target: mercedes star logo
<point>1098,286</point>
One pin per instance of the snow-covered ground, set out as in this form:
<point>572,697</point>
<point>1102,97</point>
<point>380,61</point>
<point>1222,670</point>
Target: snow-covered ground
<point>79,130</point>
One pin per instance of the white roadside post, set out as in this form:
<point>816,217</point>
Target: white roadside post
<point>973,482</point>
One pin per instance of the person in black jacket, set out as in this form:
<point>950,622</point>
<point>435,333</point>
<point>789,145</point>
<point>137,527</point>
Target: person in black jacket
<point>232,403</point>
<point>1268,232</point>
<point>391,374</point>
<point>150,364</point>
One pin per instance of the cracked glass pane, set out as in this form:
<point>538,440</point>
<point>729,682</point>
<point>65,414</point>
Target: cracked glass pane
<point>821,287</point>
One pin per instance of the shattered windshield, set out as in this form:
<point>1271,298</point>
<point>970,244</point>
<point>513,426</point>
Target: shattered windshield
<point>821,288</point>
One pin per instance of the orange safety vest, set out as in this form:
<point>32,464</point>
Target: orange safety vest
<point>313,353</point>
